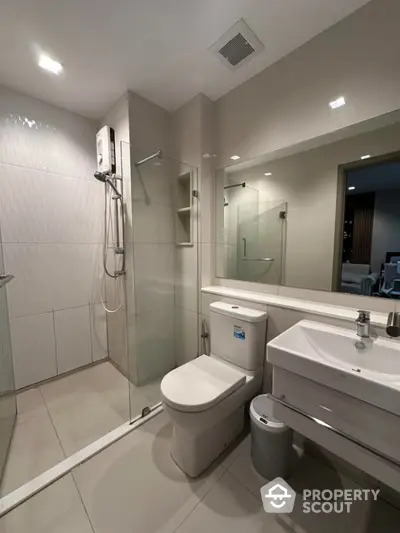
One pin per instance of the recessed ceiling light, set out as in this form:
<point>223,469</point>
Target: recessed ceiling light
<point>49,64</point>
<point>351,188</point>
<point>365,156</point>
<point>268,174</point>
<point>235,157</point>
<point>339,102</point>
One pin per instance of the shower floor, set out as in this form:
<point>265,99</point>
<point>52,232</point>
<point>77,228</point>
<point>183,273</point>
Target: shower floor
<point>60,417</point>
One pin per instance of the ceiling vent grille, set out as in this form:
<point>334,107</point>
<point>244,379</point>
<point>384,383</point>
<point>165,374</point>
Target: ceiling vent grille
<point>236,50</point>
<point>237,45</point>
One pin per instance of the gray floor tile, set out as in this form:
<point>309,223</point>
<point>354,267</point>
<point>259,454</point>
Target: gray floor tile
<point>135,486</point>
<point>57,509</point>
<point>230,507</point>
<point>34,449</point>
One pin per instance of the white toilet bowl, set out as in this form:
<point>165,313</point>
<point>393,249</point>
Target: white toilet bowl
<point>205,398</point>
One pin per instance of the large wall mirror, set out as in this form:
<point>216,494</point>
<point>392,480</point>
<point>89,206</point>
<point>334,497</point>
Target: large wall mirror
<point>324,215</point>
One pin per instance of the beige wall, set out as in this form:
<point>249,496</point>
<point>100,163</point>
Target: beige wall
<point>192,133</point>
<point>288,102</point>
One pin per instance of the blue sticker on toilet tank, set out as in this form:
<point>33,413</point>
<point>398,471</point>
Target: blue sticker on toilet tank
<point>239,333</point>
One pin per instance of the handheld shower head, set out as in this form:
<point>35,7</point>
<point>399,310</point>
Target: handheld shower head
<point>101,176</point>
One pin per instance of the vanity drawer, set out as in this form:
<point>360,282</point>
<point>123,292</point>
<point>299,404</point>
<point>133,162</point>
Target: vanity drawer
<point>364,422</point>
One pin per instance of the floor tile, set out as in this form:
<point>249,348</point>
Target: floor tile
<point>112,385</point>
<point>230,507</point>
<point>241,447</point>
<point>57,509</point>
<point>135,486</point>
<point>34,446</point>
<point>29,403</point>
<point>308,474</point>
<point>80,413</point>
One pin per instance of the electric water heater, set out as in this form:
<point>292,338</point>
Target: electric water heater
<point>105,145</point>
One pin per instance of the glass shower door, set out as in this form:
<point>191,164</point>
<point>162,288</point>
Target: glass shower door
<point>162,271</point>
<point>8,407</point>
<point>261,242</point>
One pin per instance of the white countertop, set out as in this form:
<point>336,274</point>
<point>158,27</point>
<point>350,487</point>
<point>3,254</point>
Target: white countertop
<point>316,308</point>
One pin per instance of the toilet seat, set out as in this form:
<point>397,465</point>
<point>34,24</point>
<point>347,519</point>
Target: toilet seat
<point>200,384</point>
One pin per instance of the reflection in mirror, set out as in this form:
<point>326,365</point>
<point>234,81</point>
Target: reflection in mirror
<point>324,217</point>
<point>253,233</point>
<point>371,229</point>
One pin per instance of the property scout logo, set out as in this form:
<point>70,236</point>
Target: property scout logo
<point>279,497</point>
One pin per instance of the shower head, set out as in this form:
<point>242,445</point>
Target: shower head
<point>101,176</point>
<point>157,155</point>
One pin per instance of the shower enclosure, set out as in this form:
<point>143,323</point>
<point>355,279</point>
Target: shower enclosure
<point>157,329</point>
<point>260,242</point>
<point>250,229</point>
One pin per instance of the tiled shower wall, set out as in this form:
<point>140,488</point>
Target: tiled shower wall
<point>51,214</point>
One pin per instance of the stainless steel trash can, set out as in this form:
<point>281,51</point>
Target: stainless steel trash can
<point>271,440</point>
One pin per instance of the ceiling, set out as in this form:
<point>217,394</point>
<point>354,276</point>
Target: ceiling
<point>156,48</point>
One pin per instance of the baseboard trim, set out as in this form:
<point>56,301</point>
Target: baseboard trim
<point>39,483</point>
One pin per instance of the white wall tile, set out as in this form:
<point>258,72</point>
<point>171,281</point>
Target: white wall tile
<point>50,201</point>
<point>39,207</point>
<point>154,276</point>
<point>186,337</point>
<point>98,332</point>
<point>33,348</point>
<point>72,327</point>
<point>207,263</point>
<point>32,289</point>
<point>37,135</point>
<point>51,276</point>
<point>186,278</point>
<point>152,182</point>
<point>153,223</point>
<point>118,342</point>
<point>154,352</point>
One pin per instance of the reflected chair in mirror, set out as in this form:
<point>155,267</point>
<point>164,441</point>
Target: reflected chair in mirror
<point>390,281</point>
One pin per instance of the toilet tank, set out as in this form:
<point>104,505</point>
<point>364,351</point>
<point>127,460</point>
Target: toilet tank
<point>238,334</point>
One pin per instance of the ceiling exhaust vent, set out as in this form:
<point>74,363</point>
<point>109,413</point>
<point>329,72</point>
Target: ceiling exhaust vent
<point>237,45</point>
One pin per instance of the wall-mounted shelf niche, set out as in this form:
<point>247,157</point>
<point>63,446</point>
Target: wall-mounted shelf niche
<point>184,209</point>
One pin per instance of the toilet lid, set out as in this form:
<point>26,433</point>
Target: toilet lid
<point>200,384</point>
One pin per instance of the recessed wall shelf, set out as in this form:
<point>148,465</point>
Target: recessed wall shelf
<point>184,214</point>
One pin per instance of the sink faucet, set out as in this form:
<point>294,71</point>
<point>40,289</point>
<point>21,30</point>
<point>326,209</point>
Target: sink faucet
<point>363,323</point>
<point>393,325</point>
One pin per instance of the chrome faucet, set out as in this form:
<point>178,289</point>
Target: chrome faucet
<point>393,325</point>
<point>363,323</point>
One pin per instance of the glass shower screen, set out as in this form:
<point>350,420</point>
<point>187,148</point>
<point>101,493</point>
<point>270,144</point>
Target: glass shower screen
<point>161,281</point>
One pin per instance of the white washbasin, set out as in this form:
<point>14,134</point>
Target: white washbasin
<point>330,356</point>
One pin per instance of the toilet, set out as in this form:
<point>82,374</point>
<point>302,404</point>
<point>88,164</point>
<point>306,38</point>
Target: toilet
<point>205,398</point>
